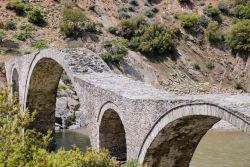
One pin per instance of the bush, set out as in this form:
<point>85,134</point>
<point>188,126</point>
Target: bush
<point>154,39</point>
<point>212,12</point>
<point>242,11</point>
<point>210,65</point>
<point>74,43</point>
<point>188,20</point>
<point>203,21</point>
<point>196,66</point>
<point>238,35</point>
<point>26,31</point>
<point>128,27</point>
<point>150,12</point>
<point>115,51</point>
<point>113,29</point>
<point>35,16</point>
<point>23,36</point>
<point>224,7</point>
<point>213,31</point>
<point>1,24</point>
<point>123,12</point>
<point>10,25</point>
<point>2,35</point>
<point>238,85</point>
<point>19,7</point>
<point>74,23</point>
<point>39,44</point>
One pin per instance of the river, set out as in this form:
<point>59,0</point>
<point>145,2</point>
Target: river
<point>216,149</point>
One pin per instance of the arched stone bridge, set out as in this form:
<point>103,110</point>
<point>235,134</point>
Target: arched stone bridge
<point>132,119</point>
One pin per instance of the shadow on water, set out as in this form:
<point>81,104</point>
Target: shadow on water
<point>67,138</point>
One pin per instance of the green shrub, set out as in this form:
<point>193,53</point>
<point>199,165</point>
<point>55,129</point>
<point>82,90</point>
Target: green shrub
<point>2,35</point>
<point>188,20</point>
<point>27,27</point>
<point>123,12</point>
<point>106,56</point>
<point>238,85</point>
<point>23,36</point>
<point>154,39</point>
<point>150,12</point>
<point>238,35</point>
<point>242,11</point>
<point>74,23</point>
<point>113,29</point>
<point>203,21</point>
<point>210,65</point>
<point>35,16</point>
<point>196,66</point>
<point>128,27</point>
<point>19,7</point>
<point>213,32</point>
<point>10,25</point>
<point>224,7</point>
<point>26,31</point>
<point>115,51</point>
<point>39,44</point>
<point>212,12</point>
<point>66,80</point>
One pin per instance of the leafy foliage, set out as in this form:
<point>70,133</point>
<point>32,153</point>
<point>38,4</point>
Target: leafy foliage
<point>115,51</point>
<point>212,11</point>
<point>26,32</point>
<point>150,12</point>
<point>27,148</point>
<point>20,7</point>
<point>74,23</point>
<point>242,11</point>
<point>188,20</point>
<point>154,39</point>
<point>213,31</point>
<point>35,16</point>
<point>10,25</point>
<point>238,36</point>
<point>39,44</point>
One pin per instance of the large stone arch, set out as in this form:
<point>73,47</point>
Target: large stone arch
<point>175,135</point>
<point>112,135</point>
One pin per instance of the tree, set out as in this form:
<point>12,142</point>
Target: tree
<point>24,147</point>
<point>35,16</point>
<point>238,36</point>
<point>213,31</point>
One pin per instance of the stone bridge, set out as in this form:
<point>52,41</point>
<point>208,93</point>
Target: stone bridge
<point>132,119</point>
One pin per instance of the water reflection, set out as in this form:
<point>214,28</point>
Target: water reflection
<point>67,138</point>
<point>223,149</point>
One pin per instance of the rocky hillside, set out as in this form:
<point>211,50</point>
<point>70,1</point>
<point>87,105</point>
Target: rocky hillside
<point>201,60</point>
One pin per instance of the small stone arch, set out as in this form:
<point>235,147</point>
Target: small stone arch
<point>15,83</point>
<point>175,135</point>
<point>112,135</point>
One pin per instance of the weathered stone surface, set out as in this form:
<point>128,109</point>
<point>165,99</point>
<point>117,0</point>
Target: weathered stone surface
<point>148,117</point>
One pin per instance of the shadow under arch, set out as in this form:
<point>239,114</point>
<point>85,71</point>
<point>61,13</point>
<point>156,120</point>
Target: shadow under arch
<point>174,137</point>
<point>15,83</point>
<point>112,135</point>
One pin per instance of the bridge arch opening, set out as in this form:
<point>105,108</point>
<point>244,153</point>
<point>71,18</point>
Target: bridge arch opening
<point>15,83</point>
<point>174,138</point>
<point>52,95</point>
<point>112,135</point>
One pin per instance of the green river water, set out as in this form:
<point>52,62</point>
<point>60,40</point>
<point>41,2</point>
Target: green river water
<point>216,149</point>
